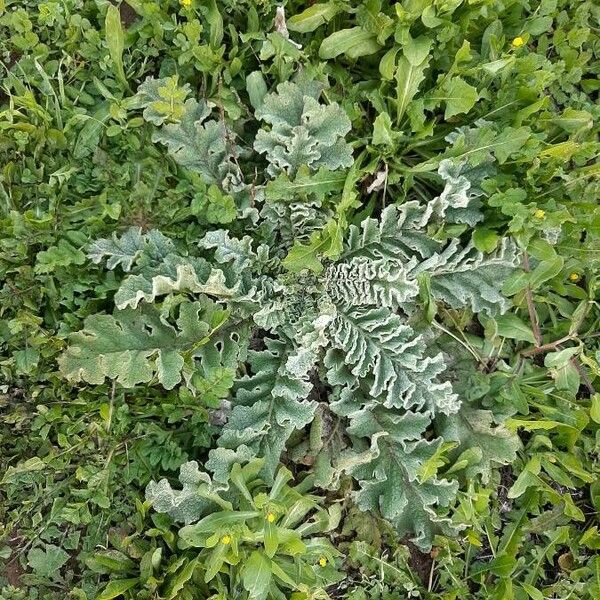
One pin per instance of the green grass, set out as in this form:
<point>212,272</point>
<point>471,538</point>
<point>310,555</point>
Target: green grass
<point>503,92</point>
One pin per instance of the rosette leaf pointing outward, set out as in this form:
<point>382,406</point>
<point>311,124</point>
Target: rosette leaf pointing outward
<point>185,505</point>
<point>157,269</point>
<point>303,132</point>
<point>138,346</point>
<point>371,348</point>
<point>342,348</point>
<point>269,405</point>
<point>389,476</point>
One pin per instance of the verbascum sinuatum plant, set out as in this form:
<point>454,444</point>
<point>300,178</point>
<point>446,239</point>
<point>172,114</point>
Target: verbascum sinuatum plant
<point>344,348</point>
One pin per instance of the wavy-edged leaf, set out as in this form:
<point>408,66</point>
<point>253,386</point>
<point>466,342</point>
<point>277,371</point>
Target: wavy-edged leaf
<point>303,132</point>
<point>389,478</point>
<point>136,345</point>
<point>268,405</point>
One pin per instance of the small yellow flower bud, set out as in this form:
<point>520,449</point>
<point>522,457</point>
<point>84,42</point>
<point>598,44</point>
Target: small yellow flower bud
<point>185,3</point>
<point>226,539</point>
<point>518,42</point>
<point>271,517</point>
<point>574,277</point>
<point>539,213</point>
<point>323,561</point>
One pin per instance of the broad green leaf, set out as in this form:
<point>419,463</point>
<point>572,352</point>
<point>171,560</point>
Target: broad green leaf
<point>387,66</point>
<point>48,561</point>
<point>301,131</point>
<point>115,40</point>
<point>320,183</point>
<point>312,17</point>
<point>545,270</point>
<point>595,408</point>
<point>215,22</point>
<point>475,429</point>
<point>561,357</point>
<point>89,136</point>
<point>305,256</point>
<point>133,346</point>
<point>459,96</point>
<point>408,79</point>
<point>117,588</point>
<point>574,120</point>
<point>109,561</point>
<point>485,240</point>
<point>416,50</point>
<point>271,538</point>
<point>163,100</point>
<point>383,133</point>
<point>256,575</point>
<point>532,592</point>
<point>511,326</point>
<point>215,561</point>
<point>528,477</point>
<point>354,42</point>
<point>176,582</point>
<point>256,88</point>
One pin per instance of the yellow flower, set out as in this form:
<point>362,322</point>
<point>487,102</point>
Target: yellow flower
<point>226,539</point>
<point>323,561</point>
<point>517,42</point>
<point>539,213</point>
<point>185,3</point>
<point>270,517</point>
<point>574,277</point>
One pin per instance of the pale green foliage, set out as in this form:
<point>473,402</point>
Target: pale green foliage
<point>184,505</point>
<point>356,327</point>
<point>123,250</point>
<point>176,277</point>
<point>232,250</point>
<point>389,481</point>
<point>465,277</point>
<point>157,268</point>
<point>302,130</point>
<point>201,144</point>
<point>490,444</point>
<point>135,346</point>
<point>269,405</point>
<point>163,100</point>
<point>371,347</point>
<point>195,141</point>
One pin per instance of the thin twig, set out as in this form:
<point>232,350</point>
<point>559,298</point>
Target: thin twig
<point>431,572</point>
<point>535,324</point>
<point>546,347</point>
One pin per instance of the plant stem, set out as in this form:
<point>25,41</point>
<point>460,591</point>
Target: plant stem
<point>535,324</point>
